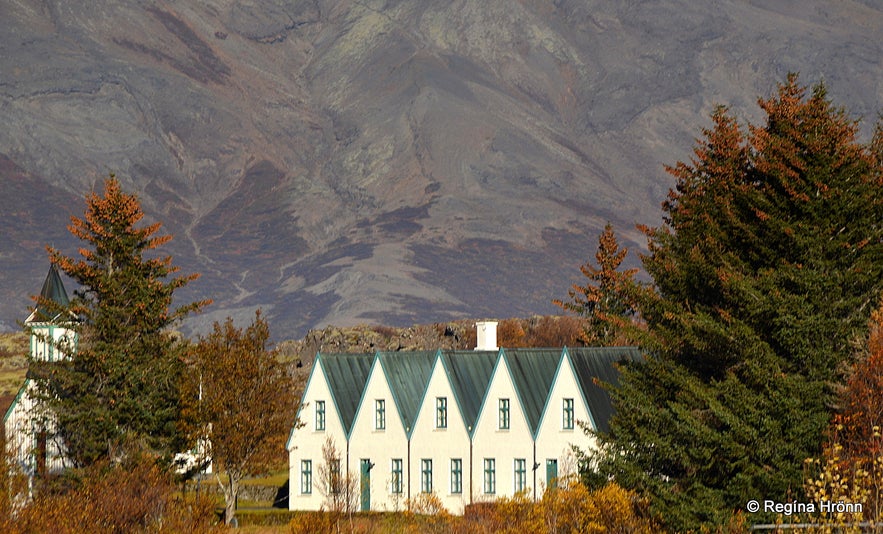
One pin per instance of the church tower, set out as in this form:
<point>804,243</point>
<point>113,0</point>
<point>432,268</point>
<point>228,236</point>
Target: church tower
<point>49,323</point>
<point>29,429</point>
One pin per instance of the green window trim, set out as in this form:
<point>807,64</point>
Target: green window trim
<point>396,482</point>
<point>306,477</point>
<point>380,414</point>
<point>490,476</point>
<point>456,476</point>
<point>520,474</point>
<point>504,414</point>
<point>426,475</point>
<point>320,415</point>
<point>441,412</point>
<point>567,422</point>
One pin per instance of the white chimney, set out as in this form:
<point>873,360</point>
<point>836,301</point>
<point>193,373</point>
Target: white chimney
<point>486,335</point>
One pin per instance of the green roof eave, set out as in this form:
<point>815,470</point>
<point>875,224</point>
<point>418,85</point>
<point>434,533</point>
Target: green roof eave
<point>600,364</point>
<point>347,375</point>
<point>407,376</point>
<point>469,374</point>
<point>302,405</point>
<point>487,392</point>
<point>374,362</point>
<point>15,401</point>
<point>532,372</point>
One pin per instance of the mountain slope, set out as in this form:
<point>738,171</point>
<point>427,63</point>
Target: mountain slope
<point>386,161</point>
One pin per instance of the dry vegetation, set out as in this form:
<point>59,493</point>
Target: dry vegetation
<point>13,365</point>
<point>572,508</point>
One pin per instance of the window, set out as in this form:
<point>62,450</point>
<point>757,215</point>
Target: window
<point>456,475</point>
<point>520,474</point>
<point>504,414</point>
<point>567,414</point>
<point>426,475</point>
<point>306,477</point>
<point>379,414</point>
<point>396,475</point>
<point>441,412</point>
<point>320,415</point>
<point>335,481</point>
<point>490,476</point>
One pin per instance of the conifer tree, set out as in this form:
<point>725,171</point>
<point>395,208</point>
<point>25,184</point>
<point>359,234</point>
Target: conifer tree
<point>603,301</point>
<point>120,386</point>
<point>767,266</point>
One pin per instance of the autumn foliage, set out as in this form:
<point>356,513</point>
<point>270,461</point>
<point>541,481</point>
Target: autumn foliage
<point>603,301</point>
<point>238,404</point>
<point>138,496</point>
<point>851,468</point>
<point>568,509</point>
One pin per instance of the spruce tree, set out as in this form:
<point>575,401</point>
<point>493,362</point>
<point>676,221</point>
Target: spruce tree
<point>767,266</point>
<point>601,301</point>
<point>121,385</point>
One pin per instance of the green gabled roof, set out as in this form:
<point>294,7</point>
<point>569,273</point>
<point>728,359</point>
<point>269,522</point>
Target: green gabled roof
<point>598,364</point>
<point>407,374</point>
<point>346,375</point>
<point>53,298</point>
<point>533,371</point>
<point>469,373</point>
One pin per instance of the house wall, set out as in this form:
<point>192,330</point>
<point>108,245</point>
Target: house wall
<point>22,424</point>
<point>440,445</point>
<point>380,447</point>
<point>553,440</point>
<point>504,446</point>
<point>306,442</point>
<point>30,431</point>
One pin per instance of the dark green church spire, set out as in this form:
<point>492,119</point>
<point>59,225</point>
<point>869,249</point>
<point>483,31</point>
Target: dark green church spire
<point>53,298</point>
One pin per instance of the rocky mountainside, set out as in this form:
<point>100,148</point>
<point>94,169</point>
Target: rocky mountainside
<point>386,161</point>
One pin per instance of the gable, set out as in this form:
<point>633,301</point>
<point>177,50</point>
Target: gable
<point>346,375</point>
<point>598,364</point>
<point>407,374</point>
<point>469,374</point>
<point>533,371</point>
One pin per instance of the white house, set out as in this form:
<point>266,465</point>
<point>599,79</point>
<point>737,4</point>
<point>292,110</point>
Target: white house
<point>331,397</point>
<point>502,440</point>
<point>440,440</point>
<point>467,426</point>
<point>29,428</point>
<point>383,425</point>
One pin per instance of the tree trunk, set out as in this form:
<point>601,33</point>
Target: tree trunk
<point>231,493</point>
<point>232,496</point>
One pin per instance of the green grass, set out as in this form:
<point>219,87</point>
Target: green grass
<point>277,479</point>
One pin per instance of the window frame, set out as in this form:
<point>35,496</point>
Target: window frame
<point>456,476</point>
<point>379,414</point>
<point>567,414</point>
<point>505,415</point>
<point>520,474</point>
<point>306,477</point>
<point>490,476</point>
<point>426,475</point>
<point>335,481</point>
<point>396,472</point>
<point>441,412</point>
<point>320,416</point>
